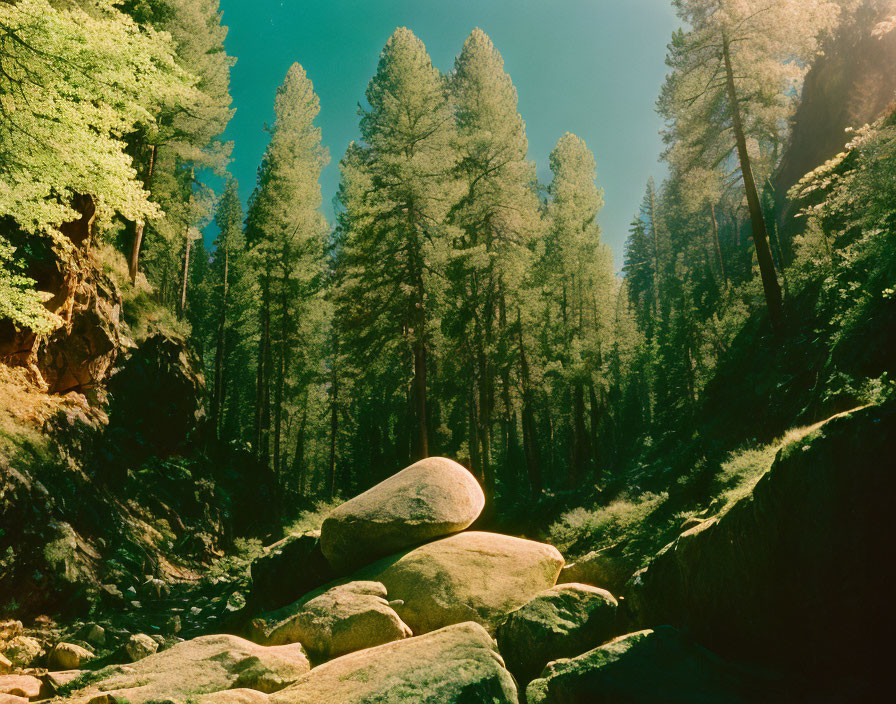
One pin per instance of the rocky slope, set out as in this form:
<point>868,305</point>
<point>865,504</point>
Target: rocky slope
<point>782,586</point>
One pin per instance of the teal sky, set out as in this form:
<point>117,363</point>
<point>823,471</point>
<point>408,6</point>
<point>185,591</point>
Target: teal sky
<point>592,67</point>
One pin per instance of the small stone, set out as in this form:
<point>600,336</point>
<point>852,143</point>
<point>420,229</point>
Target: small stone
<point>5,664</point>
<point>68,656</point>
<point>93,634</point>
<point>10,629</point>
<point>195,610</point>
<point>173,625</point>
<point>140,646</point>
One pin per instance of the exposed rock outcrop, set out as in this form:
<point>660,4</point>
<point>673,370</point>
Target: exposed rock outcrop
<point>430,499</point>
<point>791,573</point>
<point>644,668</point>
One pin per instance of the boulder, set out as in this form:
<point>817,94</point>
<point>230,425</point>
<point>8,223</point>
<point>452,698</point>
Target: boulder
<point>20,686</point>
<point>196,667</point>
<point>430,499</point>
<point>607,568</point>
<point>22,651</point>
<point>454,665</point>
<point>68,656</point>
<point>140,646</point>
<point>288,570</point>
<point>55,681</point>
<point>644,668</point>
<point>802,550</point>
<point>560,622</point>
<point>5,664</point>
<point>472,576</point>
<point>343,619</point>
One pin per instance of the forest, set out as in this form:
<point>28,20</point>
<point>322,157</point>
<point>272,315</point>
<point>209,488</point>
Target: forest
<point>440,446</point>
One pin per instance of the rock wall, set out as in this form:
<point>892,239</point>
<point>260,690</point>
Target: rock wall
<point>796,573</point>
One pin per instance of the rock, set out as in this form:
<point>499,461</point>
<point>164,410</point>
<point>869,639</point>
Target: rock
<point>20,686</point>
<point>62,678</point>
<point>235,696</point>
<point>288,570</point>
<point>643,668</point>
<point>10,629</point>
<point>140,646</point>
<point>607,568</point>
<point>199,666</point>
<point>343,619</point>
<point>22,651</point>
<point>173,625</point>
<point>472,576</point>
<point>560,622</point>
<point>792,571</point>
<point>454,665</point>
<point>5,664</point>
<point>12,699</point>
<point>68,656</point>
<point>93,634</point>
<point>430,499</point>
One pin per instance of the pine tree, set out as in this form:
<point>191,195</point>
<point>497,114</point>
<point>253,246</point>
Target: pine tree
<point>733,78</point>
<point>497,220</point>
<point>286,233</point>
<point>397,190</point>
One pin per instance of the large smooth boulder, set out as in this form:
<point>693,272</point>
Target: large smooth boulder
<point>430,499</point>
<point>644,668</point>
<point>455,665</point>
<point>796,569</point>
<point>289,569</point>
<point>560,622</point>
<point>343,619</point>
<point>472,576</point>
<point>199,666</point>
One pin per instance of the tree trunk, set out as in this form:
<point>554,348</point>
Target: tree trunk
<point>421,444</point>
<point>530,444</point>
<point>182,306</point>
<point>283,366</point>
<point>760,234</point>
<point>715,234</point>
<point>217,409</point>
<point>580,437</point>
<point>134,259</point>
<point>334,429</point>
<point>298,460</point>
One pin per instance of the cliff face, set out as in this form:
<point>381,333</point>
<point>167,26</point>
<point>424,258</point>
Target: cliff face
<point>852,84</point>
<point>80,353</point>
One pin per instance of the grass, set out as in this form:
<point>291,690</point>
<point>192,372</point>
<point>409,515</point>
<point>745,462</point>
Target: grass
<point>640,525</point>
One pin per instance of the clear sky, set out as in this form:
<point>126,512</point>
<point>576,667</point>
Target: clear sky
<point>592,67</point>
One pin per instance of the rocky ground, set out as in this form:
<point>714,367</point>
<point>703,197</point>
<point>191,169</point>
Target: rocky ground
<point>395,599</point>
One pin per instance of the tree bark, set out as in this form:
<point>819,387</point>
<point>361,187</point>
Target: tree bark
<point>760,233</point>
<point>715,235</point>
<point>217,409</point>
<point>134,259</point>
<point>182,305</point>
<point>530,444</point>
